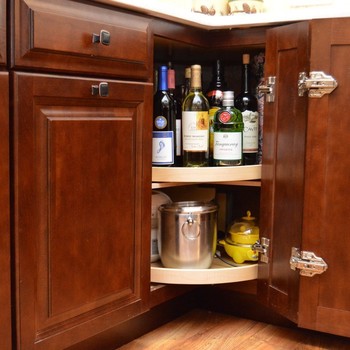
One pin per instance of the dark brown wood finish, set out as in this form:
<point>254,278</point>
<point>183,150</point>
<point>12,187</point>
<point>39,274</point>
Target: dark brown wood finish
<point>57,35</point>
<point>2,32</point>
<point>82,207</point>
<point>282,184</point>
<point>325,302</point>
<point>5,289</point>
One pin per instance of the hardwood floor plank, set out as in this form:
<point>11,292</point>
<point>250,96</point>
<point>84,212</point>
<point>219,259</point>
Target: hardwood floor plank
<point>204,330</point>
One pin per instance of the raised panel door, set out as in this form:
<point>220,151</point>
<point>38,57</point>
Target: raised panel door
<point>324,299</point>
<point>82,207</point>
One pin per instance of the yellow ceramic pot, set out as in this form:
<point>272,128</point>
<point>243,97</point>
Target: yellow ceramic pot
<point>244,231</point>
<point>239,252</point>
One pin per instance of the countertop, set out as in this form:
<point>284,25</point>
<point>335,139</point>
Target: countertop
<point>277,12</point>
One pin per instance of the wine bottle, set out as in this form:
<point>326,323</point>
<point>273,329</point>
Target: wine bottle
<point>228,133</point>
<point>195,123</point>
<point>163,136</point>
<point>214,96</point>
<point>247,103</point>
<point>187,83</point>
<point>178,115</point>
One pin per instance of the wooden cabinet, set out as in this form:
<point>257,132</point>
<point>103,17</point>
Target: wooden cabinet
<point>81,223</point>
<point>305,182</point>
<point>5,287</point>
<point>82,180</point>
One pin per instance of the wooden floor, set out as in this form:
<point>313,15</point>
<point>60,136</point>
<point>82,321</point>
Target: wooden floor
<point>203,330</point>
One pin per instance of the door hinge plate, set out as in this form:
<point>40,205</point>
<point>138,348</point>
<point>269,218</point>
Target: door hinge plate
<point>318,84</point>
<point>262,246</point>
<point>268,88</point>
<point>308,263</point>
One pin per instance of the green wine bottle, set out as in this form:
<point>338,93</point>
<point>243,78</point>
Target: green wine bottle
<point>228,133</point>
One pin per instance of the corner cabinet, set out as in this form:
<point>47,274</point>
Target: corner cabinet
<point>305,169</point>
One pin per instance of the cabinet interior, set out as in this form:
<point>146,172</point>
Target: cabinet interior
<point>182,55</point>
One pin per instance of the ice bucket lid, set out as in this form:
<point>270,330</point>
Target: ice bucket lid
<point>189,207</point>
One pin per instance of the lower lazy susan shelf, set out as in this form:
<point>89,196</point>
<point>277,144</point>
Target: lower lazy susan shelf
<point>219,272</point>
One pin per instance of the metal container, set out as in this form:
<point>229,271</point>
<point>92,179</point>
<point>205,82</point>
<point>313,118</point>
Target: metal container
<point>188,234</point>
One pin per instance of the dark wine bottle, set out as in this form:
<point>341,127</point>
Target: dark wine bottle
<point>215,96</point>
<point>228,133</point>
<point>247,103</point>
<point>178,115</point>
<point>164,133</point>
<point>195,123</point>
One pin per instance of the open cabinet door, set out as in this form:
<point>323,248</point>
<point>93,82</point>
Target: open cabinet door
<point>282,184</point>
<point>324,299</point>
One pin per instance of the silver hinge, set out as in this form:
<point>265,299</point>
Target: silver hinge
<point>308,263</point>
<point>262,247</point>
<point>318,84</point>
<point>268,89</point>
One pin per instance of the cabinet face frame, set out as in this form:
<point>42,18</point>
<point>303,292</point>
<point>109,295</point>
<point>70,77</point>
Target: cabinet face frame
<point>5,284</point>
<point>54,109</point>
<point>3,32</point>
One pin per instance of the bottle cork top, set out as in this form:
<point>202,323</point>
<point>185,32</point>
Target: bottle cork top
<point>196,76</point>
<point>246,58</point>
<point>188,72</point>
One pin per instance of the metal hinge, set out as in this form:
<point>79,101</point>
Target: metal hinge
<point>262,247</point>
<point>318,84</point>
<point>268,89</point>
<point>308,263</point>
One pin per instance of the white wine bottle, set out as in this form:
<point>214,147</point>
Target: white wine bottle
<point>195,123</point>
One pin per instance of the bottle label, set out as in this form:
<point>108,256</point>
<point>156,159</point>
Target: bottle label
<point>163,148</point>
<point>227,145</point>
<point>250,132</point>
<point>195,130</point>
<point>160,122</point>
<point>224,117</point>
<point>178,137</point>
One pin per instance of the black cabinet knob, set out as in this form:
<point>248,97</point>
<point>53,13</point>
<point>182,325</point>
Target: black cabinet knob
<point>100,89</point>
<point>104,37</point>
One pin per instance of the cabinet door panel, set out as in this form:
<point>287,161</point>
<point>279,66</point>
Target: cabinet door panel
<point>325,302</point>
<point>82,200</point>
<point>283,167</point>
<point>5,288</point>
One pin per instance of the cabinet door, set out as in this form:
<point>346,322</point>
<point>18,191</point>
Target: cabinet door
<point>282,184</point>
<point>5,302</point>
<point>305,176</point>
<point>324,299</point>
<point>2,31</point>
<point>82,207</point>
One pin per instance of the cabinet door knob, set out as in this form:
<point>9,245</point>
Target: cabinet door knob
<point>104,37</point>
<point>100,89</point>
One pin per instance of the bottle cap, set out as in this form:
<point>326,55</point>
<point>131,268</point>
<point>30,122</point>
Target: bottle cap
<point>228,98</point>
